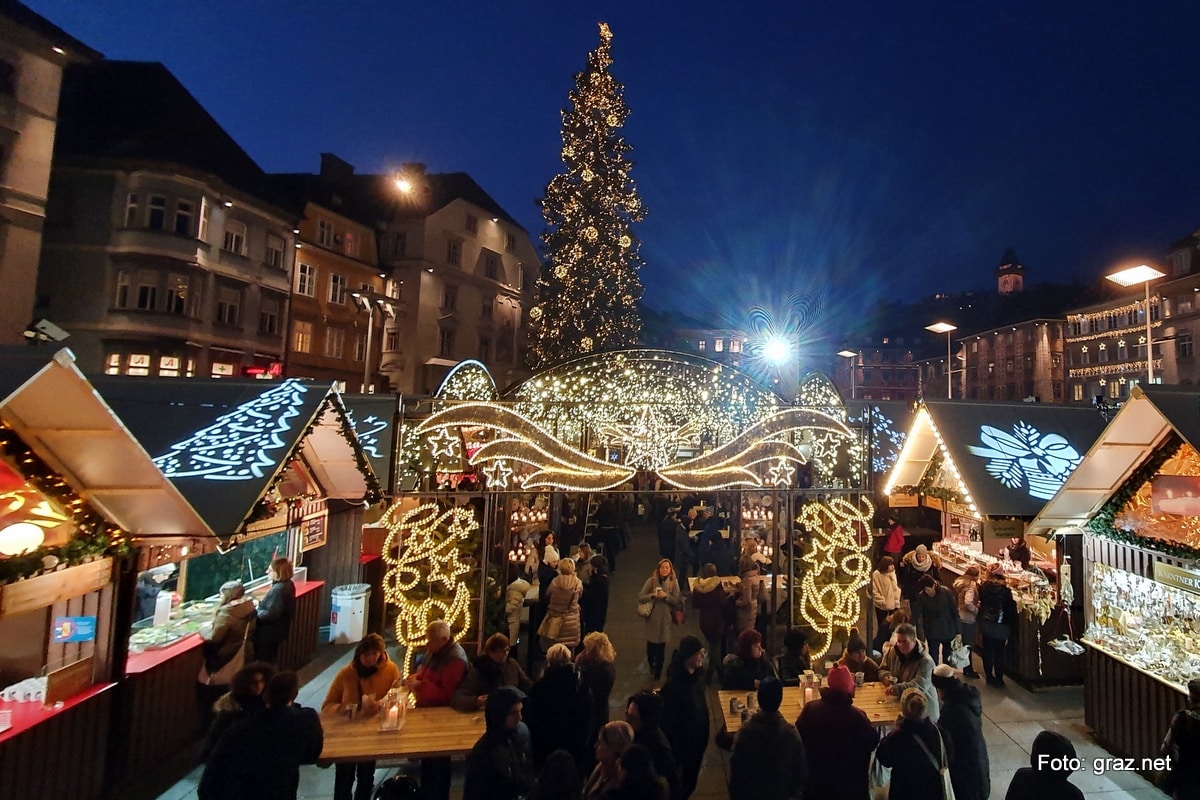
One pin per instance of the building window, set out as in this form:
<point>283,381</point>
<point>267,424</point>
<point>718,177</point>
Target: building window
<point>1056,360</point>
<point>524,278</point>
<point>1184,305</point>
<point>454,252</point>
<point>222,369</point>
<point>1008,364</point>
<point>360,347</point>
<point>229,305</point>
<point>139,364</point>
<point>324,233</point>
<point>399,245</point>
<point>391,341</point>
<point>700,345</point>
<point>184,211</point>
<point>156,215</point>
<point>268,315</point>
<point>735,345</point>
<point>1122,351</point>
<point>337,288</point>
<point>335,342</point>
<point>274,251</point>
<point>350,244</point>
<point>491,267</point>
<point>1183,344</point>
<point>1084,356</point>
<point>446,343</point>
<point>112,364</point>
<point>205,210</point>
<point>485,311</point>
<point>235,237</point>
<point>393,288</point>
<point>302,333</point>
<point>1077,391</point>
<point>177,294</point>
<point>121,300</point>
<point>449,298</point>
<point>472,224</point>
<point>131,209</point>
<point>1102,355</point>
<point>1155,311</point>
<point>510,242</point>
<point>306,279</point>
<point>147,291</point>
<point>718,345</point>
<point>168,366</point>
<point>485,349</point>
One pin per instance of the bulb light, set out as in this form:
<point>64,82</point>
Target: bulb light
<point>835,567</point>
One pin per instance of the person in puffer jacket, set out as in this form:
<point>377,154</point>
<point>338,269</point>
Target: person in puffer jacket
<point>500,765</point>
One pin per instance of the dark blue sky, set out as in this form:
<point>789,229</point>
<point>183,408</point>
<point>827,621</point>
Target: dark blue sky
<point>844,153</point>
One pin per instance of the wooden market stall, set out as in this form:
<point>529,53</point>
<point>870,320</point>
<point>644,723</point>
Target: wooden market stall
<point>986,469</point>
<point>76,489</point>
<point>274,469</point>
<point>1134,503</point>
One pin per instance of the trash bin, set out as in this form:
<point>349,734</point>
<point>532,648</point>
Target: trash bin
<point>348,619</point>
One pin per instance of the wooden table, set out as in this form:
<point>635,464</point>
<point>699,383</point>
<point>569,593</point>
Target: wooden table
<point>880,709</point>
<point>427,733</point>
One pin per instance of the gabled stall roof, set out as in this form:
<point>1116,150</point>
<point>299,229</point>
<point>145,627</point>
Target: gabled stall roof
<point>1145,421</point>
<point>1012,457</point>
<point>224,443</point>
<point>58,414</point>
<point>372,417</point>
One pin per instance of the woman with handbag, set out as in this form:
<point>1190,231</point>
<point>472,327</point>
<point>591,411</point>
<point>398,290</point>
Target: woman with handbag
<point>228,643</point>
<point>660,595</point>
<point>918,753</point>
<point>561,624</point>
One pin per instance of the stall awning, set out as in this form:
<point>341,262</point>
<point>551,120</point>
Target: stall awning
<point>56,411</point>
<point>224,443</point>
<point>1142,424</point>
<point>1012,457</point>
<point>372,416</point>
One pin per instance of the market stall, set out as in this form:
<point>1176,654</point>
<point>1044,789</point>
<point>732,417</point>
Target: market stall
<point>1133,504</point>
<point>987,469</point>
<point>274,469</point>
<point>77,489</point>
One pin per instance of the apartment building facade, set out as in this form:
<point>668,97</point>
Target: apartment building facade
<point>1022,361</point>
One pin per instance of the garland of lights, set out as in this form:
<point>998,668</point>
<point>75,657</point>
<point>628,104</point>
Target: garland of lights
<point>468,380</point>
<point>1116,311</point>
<point>1108,369</point>
<point>93,535</point>
<point>835,567</point>
<point>424,571</point>
<point>1115,333</point>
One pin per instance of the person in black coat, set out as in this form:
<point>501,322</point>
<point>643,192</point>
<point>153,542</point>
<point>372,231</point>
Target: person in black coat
<point>768,761</point>
<point>749,664</point>
<point>1039,781</point>
<point>644,713</point>
<point>244,699</point>
<point>261,756</point>
<point>557,709</point>
<point>666,534</point>
<point>916,773</point>
<point>593,605</point>
<point>275,612</point>
<point>685,710</point>
<point>838,740</point>
<point>962,718</point>
<point>500,765</point>
<point>1182,746</point>
<point>935,613</point>
<point>596,665</point>
<point>997,610</point>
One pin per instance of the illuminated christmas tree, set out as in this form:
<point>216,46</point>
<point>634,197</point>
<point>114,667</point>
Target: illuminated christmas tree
<point>589,290</point>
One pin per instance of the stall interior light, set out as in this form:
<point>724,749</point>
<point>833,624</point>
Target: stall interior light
<point>21,537</point>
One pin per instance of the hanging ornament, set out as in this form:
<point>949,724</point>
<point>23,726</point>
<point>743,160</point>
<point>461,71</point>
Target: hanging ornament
<point>587,174</point>
<point>535,312</point>
<point>625,241</point>
<point>591,233</point>
<point>585,344</point>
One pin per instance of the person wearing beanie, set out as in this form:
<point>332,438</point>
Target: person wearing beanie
<point>768,760</point>
<point>1040,779</point>
<point>962,718</point>
<point>855,658</point>
<point>914,566</point>
<point>685,710</point>
<point>644,713</point>
<point>838,741</point>
<point>500,765</point>
<point>935,613</point>
<point>749,663</point>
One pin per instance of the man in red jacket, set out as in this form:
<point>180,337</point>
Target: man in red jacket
<point>433,684</point>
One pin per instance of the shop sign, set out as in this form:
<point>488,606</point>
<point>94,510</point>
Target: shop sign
<point>897,500</point>
<point>74,629</point>
<point>961,510</point>
<point>1176,577</point>
<point>933,502</point>
<point>1005,528</point>
<point>313,532</point>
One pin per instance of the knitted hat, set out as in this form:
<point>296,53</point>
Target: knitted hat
<point>840,680</point>
<point>689,646</point>
<point>550,556</point>
<point>921,559</point>
<point>943,677</point>
<point>770,694</point>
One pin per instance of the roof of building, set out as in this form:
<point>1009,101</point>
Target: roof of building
<point>23,15</point>
<point>130,112</point>
<point>1009,262</point>
<point>434,192</point>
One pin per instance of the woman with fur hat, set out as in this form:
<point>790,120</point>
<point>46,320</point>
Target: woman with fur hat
<point>838,740</point>
<point>361,683</point>
<point>685,706</point>
<point>914,566</point>
<point>962,718</point>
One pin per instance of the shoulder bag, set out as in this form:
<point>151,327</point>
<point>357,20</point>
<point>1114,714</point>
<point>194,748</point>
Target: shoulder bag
<point>224,675</point>
<point>644,609</point>
<point>943,769</point>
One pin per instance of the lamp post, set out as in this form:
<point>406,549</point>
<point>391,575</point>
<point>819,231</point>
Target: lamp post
<point>850,354</point>
<point>1131,276</point>
<point>946,328</point>
<point>367,301</point>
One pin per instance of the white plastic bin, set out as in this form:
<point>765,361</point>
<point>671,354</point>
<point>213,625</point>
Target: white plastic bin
<point>348,618</point>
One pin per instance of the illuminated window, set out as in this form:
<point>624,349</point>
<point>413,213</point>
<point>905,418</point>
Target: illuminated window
<point>350,244</point>
<point>735,345</point>
<point>168,366</point>
<point>268,315</point>
<point>185,211</point>
<point>306,279</point>
<point>337,288</point>
<point>221,369</point>
<point>112,364</point>
<point>324,233</point>
<point>335,342</point>
<point>302,333</point>
<point>235,237</point>
<point>274,251</point>
<point>454,253</point>
<point>139,364</point>
<point>1114,390</point>
<point>156,215</point>
<point>393,288</point>
<point>131,210</point>
<point>718,345</point>
<point>1077,391</point>
<point>229,305</point>
<point>700,345</point>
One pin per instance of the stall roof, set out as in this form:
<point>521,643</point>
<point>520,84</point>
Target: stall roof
<point>223,443</point>
<point>372,416</point>
<point>1142,424</point>
<point>1012,456</point>
<point>55,410</point>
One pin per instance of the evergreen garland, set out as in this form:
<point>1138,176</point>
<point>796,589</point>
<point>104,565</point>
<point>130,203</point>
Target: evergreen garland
<point>926,485</point>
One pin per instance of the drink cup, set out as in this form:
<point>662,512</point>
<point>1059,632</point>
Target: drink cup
<point>859,677</point>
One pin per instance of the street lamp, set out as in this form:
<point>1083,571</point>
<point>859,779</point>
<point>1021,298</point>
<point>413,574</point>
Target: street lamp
<point>367,300</point>
<point>1131,276</point>
<point>946,328</point>
<point>851,355</point>
<point>778,351</point>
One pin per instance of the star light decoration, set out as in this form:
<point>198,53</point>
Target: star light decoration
<point>425,570</point>
<point>445,445</point>
<point>835,567</point>
<point>651,442</point>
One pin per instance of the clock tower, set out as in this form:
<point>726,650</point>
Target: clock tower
<point>1010,275</point>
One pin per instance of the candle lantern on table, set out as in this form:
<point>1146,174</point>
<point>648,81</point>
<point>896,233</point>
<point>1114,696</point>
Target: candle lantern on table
<point>395,704</point>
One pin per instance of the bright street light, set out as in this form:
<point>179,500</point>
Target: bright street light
<point>404,184</point>
<point>1131,276</point>
<point>850,354</point>
<point>776,349</point>
<point>946,328</point>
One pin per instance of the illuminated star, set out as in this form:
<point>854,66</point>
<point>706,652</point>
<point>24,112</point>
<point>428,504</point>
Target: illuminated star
<point>444,443</point>
<point>497,474</point>
<point>781,473</point>
<point>650,440</point>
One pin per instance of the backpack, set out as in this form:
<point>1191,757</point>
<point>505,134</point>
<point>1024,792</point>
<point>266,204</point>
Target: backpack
<point>399,787</point>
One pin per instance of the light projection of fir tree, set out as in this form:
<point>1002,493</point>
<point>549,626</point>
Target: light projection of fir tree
<point>367,430</point>
<point>588,293</point>
<point>424,571</point>
<point>835,567</point>
<point>239,445</point>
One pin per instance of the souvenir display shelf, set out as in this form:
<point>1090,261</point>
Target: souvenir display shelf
<point>1035,596</point>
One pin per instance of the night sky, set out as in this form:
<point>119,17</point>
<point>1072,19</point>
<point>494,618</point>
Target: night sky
<point>824,157</point>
